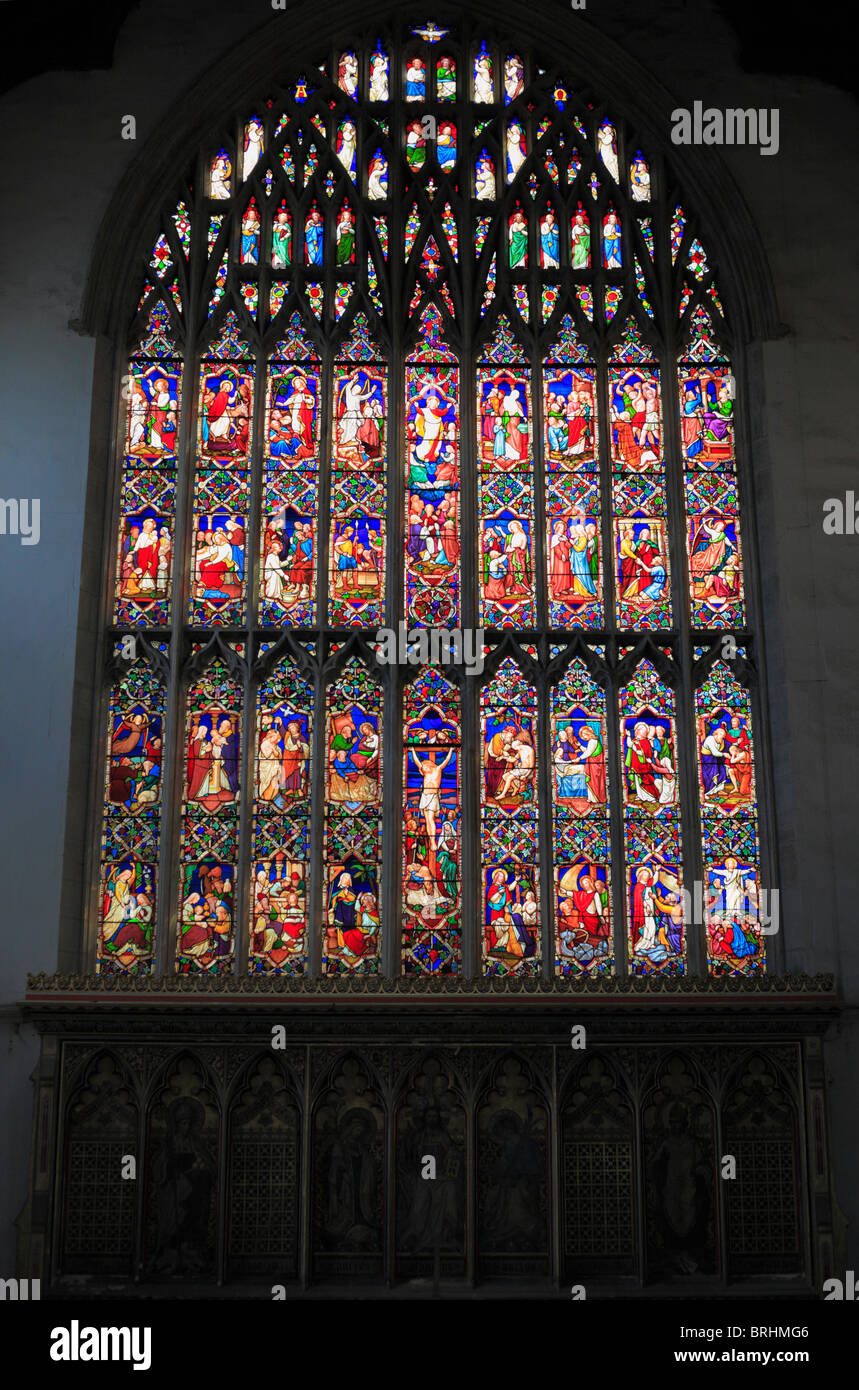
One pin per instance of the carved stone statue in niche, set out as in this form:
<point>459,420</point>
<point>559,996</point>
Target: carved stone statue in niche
<point>351,1183</point>
<point>432,1208</point>
<point>183,1175</point>
<point>512,1217</point>
<point>679,1171</point>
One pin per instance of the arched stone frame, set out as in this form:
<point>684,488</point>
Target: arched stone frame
<point>102,1129</point>
<point>264,1096</point>
<point>431,1218</point>
<point>349,1128</point>
<point>633,95</point>
<point>176,1239</point>
<point>767,1123</point>
<point>513,1141</point>
<point>678,1129</point>
<point>594,1098</point>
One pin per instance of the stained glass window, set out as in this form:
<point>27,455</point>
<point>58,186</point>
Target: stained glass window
<point>431,649</point>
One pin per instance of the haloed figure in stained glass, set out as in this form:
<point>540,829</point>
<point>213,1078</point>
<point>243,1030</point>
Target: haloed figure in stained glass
<point>641,563</point>
<point>359,409</point>
<point>432,545</point>
<point>649,761</point>
<point>725,752</point>
<point>127,913</point>
<point>225,418</point>
<point>583,917</point>
<point>574,558</point>
<point>213,759</point>
<point>565,542</point>
<point>288,558</point>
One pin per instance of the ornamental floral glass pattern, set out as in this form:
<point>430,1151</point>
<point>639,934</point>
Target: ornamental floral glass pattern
<point>406,356</point>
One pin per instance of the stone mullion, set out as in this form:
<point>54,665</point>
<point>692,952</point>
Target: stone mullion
<point>639,1178</point>
<point>617,845</point>
<point>140,1186</point>
<point>392,801</point>
<point>315,891</point>
<point>173,771</point>
<point>323,495</point>
<point>722,1189</point>
<point>470,768</point>
<point>554,1142</point>
<point>687,782</point>
<point>471,830</point>
<point>546,840</point>
<point>392,743</point>
<point>539,483</point>
<point>88,941</point>
<point>222,1202</point>
<point>763,763</point>
<point>305,1192</point>
<point>470,843</point>
<point>244,891</point>
<point>617,839</point>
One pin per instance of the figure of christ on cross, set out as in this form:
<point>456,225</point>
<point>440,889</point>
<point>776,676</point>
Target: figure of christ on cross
<point>430,802</point>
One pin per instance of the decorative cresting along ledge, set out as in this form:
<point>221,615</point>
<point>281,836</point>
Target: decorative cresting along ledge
<point>815,989</point>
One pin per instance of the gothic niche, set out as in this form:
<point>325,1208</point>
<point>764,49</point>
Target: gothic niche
<point>597,1175</point>
<point>760,1130</point>
<point>679,1163</point>
<point>348,1149</point>
<point>98,1203</point>
<point>182,1177</point>
<point>263,1186</point>
<point>430,1229</point>
<point>512,1175</point>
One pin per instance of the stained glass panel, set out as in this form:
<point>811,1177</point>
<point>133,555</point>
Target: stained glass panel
<point>131,829</point>
<point>509,816</point>
<point>210,812</point>
<point>363,310</point>
<point>735,910</point>
<point>358,489</point>
<point>638,488</point>
<point>714,550</point>
<point>152,389</point>
<point>353,831</point>
<point>581,841</point>
<point>222,483</point>
<point>432,479</point>
<point>432,826</point>
<point>281,824</point>
<point>506,485</point>
<point>651,818</point>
